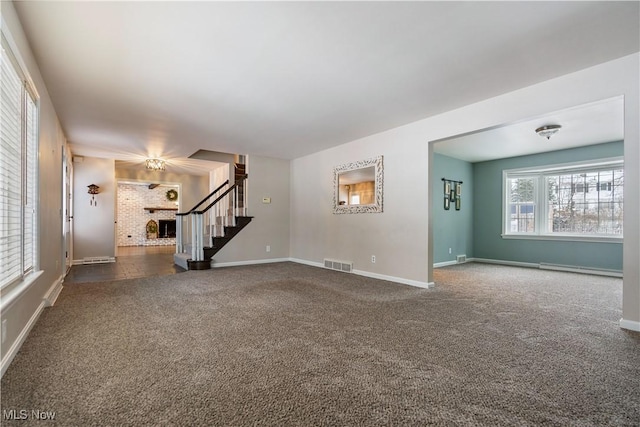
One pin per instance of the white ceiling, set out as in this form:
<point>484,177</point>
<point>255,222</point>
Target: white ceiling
<point>590,124</point>
<point>131,80</point>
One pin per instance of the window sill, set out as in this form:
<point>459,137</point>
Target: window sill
<point>12,292</point>
<point>563,237</point>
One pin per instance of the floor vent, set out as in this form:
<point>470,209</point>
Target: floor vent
<point>343,266</point>
<point>97,260</point>
<point>461,258</point>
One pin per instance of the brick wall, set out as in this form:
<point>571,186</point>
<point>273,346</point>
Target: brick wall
<point>132,218</point>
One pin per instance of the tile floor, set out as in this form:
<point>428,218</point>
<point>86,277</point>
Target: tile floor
<point>131,262</point>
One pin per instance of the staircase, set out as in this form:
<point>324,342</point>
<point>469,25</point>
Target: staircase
<point>200,234</point>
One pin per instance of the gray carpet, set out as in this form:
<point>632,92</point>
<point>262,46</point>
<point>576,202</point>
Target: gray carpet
<point>288,344</point>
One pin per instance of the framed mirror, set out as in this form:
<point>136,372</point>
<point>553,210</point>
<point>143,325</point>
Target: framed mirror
<point>358,187</point>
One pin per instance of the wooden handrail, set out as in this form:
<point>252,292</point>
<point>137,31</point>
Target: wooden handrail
<point>229,190</point>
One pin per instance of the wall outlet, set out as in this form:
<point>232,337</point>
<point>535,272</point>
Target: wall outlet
<point>373,259</point>
<point>4,330</point>
<point>268,248</point>
<point>449,251</point>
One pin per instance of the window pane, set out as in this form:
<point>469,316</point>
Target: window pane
<point>521,205</point>
<point>10,174</point>
<point>586,203</point>
<point>31,165</point>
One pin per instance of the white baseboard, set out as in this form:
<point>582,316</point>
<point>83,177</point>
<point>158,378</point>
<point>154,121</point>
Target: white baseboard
<point>416,283</point>
<point>585,270</point>
<point>53,293</point>
<point>8,357</point>
<point>554,267</point>
<point>306,262</point>
<point>445,263</point>
<point>503,262</point>
<point>631,325</point>
<point>215,264</point>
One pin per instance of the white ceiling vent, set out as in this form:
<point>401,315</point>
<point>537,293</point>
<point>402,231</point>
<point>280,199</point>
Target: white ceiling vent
<point>333,264</point>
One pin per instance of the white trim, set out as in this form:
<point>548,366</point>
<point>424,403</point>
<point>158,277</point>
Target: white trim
<point>7,300</point>
<point>579,269</point>
<point>4,29</point>
<point>305,262</point>
<point>215,264</point>
<point>53,293</point>
<point>565,237</point>
<point>445,263</point>
<point>15,347</point>
<point>503,262</point>
<point>631,325</point>
<point>548,266</point>
<point>416,283</point>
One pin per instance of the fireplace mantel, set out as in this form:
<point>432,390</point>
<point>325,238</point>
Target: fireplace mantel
<point>152,210</point>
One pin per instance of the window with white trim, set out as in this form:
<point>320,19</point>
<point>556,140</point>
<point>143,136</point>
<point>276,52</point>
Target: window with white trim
<point>581,200</point>
<point>18,172</point>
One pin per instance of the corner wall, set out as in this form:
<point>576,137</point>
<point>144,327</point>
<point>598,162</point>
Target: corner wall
<point>452,229</point>
<point>488,216</point>
<point>268,178</point>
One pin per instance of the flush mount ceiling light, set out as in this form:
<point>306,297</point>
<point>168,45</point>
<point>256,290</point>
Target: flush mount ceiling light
<point>548,131</point>
<point>155,164</point>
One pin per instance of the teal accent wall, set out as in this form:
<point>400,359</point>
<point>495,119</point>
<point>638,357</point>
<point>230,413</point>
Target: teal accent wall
<point>452,229</point>
<point>487,221</point>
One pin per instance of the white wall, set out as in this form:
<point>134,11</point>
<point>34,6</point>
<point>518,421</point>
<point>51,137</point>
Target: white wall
<point>399,237</point>
<point>94,225</point>
<point>21,305</point>
<point>268,177</point>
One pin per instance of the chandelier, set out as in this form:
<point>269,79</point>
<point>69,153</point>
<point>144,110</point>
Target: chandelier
<point>155,164</point>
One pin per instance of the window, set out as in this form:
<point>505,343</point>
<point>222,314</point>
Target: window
<point>18,172</point>
<point>572,201</point>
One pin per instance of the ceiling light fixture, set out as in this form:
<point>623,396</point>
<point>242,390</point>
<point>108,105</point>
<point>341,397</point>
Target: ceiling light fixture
<point>155,164</point>
<point>548,131</point>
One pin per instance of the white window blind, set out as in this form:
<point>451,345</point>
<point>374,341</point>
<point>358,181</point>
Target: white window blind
<point>18,173</point>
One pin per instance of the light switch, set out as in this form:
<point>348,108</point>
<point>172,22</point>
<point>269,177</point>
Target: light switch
<point>266,200</point>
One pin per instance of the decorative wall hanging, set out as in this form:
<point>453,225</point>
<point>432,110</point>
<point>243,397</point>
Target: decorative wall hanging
<point>93,190</point>
<point>172,195</point>
<point>452,193</point>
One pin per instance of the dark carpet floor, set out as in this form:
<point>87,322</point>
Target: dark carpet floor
<point>288,344</point>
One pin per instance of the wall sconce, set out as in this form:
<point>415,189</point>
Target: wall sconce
<point>93,190</point>
<point>155,164</point>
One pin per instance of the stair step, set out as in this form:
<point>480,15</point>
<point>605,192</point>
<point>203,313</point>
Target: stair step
<point>184,259</point>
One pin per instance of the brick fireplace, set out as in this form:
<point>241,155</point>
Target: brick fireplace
<point>137,204</point>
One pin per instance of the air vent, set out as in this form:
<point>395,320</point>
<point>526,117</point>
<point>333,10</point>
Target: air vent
<point>461,258</point>
<point>344,266</point>
<point>97,260</point>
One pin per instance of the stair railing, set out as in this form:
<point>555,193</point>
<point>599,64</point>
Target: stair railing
<point>199,230</point>
<point>184,226</point>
